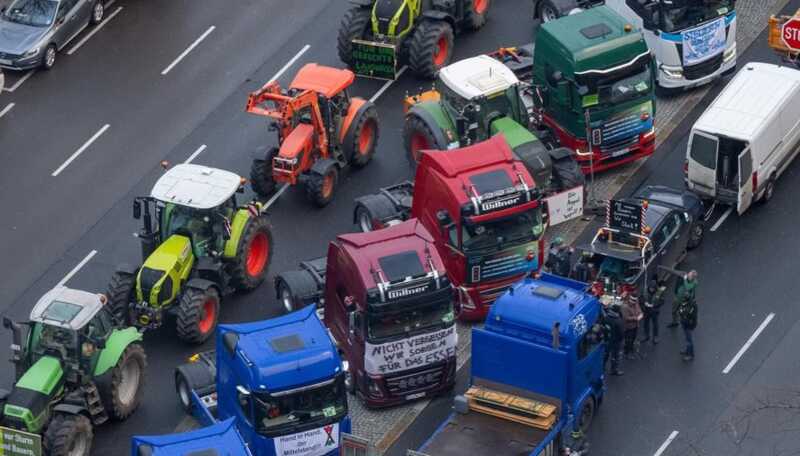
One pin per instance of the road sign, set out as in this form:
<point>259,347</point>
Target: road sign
<point>790,33</point>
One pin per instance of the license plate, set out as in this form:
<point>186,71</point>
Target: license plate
<point>411,397</point>
<point>620,152</point>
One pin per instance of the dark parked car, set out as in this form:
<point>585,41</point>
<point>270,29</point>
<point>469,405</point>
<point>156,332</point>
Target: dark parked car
<point>33,31</point>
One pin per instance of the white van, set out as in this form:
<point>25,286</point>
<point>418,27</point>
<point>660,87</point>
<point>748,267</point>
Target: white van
<point>747,137</point>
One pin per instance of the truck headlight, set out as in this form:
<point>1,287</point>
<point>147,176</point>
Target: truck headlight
<point>729,54</point>
<point>672,72</point>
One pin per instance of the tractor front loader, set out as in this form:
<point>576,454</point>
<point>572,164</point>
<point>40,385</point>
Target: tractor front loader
<point>74,370</point>
<point>377,36</point>
<point>321,130</point>
<point>200,247</point>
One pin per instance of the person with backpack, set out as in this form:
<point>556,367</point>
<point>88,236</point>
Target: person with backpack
<point>685,289</point>
<point>652,306</point>
<point>613,331</point>
<point>687,312</point>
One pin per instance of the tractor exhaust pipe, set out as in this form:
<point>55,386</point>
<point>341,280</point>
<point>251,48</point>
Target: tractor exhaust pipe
<point>16,345</point>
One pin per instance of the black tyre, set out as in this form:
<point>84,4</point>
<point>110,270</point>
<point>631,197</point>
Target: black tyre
<point>431,48</point>
<point>586,416</point>
<point>371,212</point>
<point>120,295</point>
<point>548,11</point>
<point>198,314</point>
<point>696,234</point>
<point>476,13</point>
<point>362,139</point>
<point>769,191</point>
<point>320,188</point>
<point>49,57</point>
<point>192,376</point>
<point>418,136</point>
<point>354,25</point>
<point>98,12</point>
<point>68,435</point>
<point>567,174</point>
<point>292,287</point>
<point>124,394</point>
<point>261,174</point>
<point>253,255</point>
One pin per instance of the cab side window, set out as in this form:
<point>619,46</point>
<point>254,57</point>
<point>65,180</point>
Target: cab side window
<point>589,342</point>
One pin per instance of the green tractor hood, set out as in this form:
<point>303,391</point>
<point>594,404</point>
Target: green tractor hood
<point>26,407</point>
<point>159,279</point>
<point>527,148</point>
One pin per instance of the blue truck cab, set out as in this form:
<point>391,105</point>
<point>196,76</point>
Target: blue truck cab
<point>536,374</point>
<point>220,439</point>
<point>280,380</point>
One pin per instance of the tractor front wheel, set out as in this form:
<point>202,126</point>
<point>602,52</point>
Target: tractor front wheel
<point>360,144</point>
<point>355,25</point>
<point>261,174</point>
<point>198,314</point>
<point>253,254</point>
<point>431,48</point>
<point>127,383</point>
<point>477,12</point>
<point>321,187</point>
<point>418,136</point>
<point>120,295</point>
<point>68,435</point>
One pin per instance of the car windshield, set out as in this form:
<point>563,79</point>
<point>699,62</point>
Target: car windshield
<point>503,232</point>
<point>37,13</point>
<point>316,406</point>
<point>682,15</point>
<point>396,324</point>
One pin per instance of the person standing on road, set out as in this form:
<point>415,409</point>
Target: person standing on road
<point>613,333</point>
<point>687,312</point>
<point>631,315</point>
<point>685,290</point>
<point>651,309</point>
<point>559,258</point>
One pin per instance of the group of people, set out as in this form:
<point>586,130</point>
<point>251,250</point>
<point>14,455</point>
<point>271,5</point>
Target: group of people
<point>631,315</point>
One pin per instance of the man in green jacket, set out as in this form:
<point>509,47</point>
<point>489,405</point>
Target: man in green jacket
<point>685,290</point>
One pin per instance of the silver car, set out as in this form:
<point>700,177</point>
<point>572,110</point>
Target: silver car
<point>32,31</point>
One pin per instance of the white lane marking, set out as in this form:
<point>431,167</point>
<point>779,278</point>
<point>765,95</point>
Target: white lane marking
<point>108,5</point>
<point>20,81</point>
<point>290,63</point>
<point>77,268</point>
<point>80,151</point>
<point>749,342</point>
<point>387,85</point>
<point>196,153</point>
<point>93,31</point>
<point>722,219</point>
<point>666,443</point>
<point>275,196</point>
<point>188,50</point>
<point>8,108</point>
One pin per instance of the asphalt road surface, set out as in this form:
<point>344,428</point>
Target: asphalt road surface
<point>740,395</point>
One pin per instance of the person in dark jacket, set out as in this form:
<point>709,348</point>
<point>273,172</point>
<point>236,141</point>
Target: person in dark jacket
<point>687,312</point>
<point>685,289</point>
<point>631,315</point>
<point>652,306</point>
<point>559,258</point>
<point>613,333</point>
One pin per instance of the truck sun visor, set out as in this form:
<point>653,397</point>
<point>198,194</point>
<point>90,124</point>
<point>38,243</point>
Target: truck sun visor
<point>286,344</point>
<point>491,182</point>
<point>401,265</point>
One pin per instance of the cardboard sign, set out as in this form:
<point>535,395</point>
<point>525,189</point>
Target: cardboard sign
<point>625,216</point>
<point>314,442</point>
<point>702,43</point>
<point>565,206</point>
<point>374,60</point>
<point>417,351</point>
<point>19,443</point>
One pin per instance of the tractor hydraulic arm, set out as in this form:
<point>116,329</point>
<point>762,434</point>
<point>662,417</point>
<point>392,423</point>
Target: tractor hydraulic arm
<point>270,92</point>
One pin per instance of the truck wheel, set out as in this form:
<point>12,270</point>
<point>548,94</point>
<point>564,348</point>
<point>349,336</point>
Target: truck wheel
<point>253,255</point>
<point>567,174</point>
<point>127,383</point>
<point>320,188</point>
<point>360,145</point>
<point>418,136</point>
<point>477,12</point>
<point>261,179</point>
<point>354,25</point>
<point>192,376</point>
<point>431,48</point>
<point>371,212</point>
<point>292,287</point>
<point>68,435</point>
<point>120,295</point>
<point>198,313</point>
<point>696,235</point>
<point>548,11</point>
<point>586,415</point>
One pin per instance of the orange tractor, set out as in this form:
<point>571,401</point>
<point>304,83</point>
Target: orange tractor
<point>321,130</point>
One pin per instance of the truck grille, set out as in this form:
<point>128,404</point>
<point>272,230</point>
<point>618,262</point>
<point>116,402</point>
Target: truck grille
<point>702,69</point>
<point>620,133</point>
<point>425,379</point>
<point>490,295</point>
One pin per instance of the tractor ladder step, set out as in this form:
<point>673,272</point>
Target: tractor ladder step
<point>95,404</point>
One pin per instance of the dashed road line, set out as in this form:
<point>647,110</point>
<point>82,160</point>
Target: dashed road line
<point>749,342</point>
<point>93,31</point>
<point>20,81</point>
<point>81,150</point>
<point>7,109</point>
<point>76,268</point>
<point>290,63</point>
<point>275,196</point>
<point>722,219</point>
<point>196,153</point>
<point>387,85</point>
<point>666,443</point>
<point>188,50</point>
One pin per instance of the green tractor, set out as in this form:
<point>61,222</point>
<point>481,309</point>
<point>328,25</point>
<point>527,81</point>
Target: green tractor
<point>74,369</point>
<point>203,246</point>
<point>376,35</point>
<point>475,99</point>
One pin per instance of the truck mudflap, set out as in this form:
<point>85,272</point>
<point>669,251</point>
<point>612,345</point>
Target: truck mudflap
<point>373,59</point>
<point>201,408</point>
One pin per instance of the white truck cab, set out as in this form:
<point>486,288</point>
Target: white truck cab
<point>746,137</point>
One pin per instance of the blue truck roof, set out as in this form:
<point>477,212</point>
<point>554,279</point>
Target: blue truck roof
<point>221,439</point>
<point>286,352</point>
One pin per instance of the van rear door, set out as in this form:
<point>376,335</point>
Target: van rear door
<point>746,173</point>
<point>702,157</point>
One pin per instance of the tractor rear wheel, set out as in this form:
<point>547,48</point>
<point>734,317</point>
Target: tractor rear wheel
<point>418,136</point>
<point>68,435</point>
<point>431,48</point>
<point>476,13</point>
<point>253,254</point>
<point>198,314</point>
<point>120,295</point>
<point>567,174</point>
<point>355,25</point>
<point>124,394</point>
<point>320,188</point>
<point>261,174</point>
<point>360,146</point>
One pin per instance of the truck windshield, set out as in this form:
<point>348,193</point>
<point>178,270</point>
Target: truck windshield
<point>390,325</point>
<point>503,232</point>
<point>304,409</point>
<point>621,85</point>
<point>682,15</point>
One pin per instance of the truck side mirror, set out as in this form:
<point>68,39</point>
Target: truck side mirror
<point>242,391</point>
<point>351,323</point>
<point>562,89</point>
<point>444,218</point>
<point>229,340</point>
<point>137,209</point>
